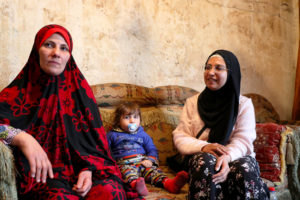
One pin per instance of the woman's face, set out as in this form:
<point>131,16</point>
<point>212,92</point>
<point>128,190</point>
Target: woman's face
<point>54,55</point>
<point>215,73</point>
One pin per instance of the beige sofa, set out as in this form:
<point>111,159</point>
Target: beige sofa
<point>277,146</point>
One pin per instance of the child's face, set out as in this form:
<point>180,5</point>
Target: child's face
<point>127,119</point>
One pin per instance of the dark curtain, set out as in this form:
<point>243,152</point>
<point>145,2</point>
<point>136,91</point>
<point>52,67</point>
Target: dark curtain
<point>296,106</point>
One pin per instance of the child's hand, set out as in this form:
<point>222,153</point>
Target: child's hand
<point>147,163</point>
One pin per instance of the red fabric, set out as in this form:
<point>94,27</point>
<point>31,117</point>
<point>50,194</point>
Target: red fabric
<point>48,31</point>
<point>61,113</point>
<point>266,147</point>
<point>106,189</point>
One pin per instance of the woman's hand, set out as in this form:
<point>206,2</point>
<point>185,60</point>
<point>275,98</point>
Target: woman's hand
<point>40,165</point>
<point>215,149</point>
<point>84,183</point>
<point>222,163</point>
<point>147,163</point>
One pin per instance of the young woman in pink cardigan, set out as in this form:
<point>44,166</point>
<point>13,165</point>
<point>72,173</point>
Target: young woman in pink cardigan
<point>223,165</point>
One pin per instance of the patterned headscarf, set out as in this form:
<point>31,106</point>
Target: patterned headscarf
<point>61,113</point>
<point>218,109</point>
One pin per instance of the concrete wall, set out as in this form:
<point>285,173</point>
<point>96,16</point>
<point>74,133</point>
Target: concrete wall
<point>162,42</point>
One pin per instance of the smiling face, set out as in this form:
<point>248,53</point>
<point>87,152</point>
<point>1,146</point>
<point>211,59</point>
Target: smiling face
<point>54,55</point>
<point>215,73</point>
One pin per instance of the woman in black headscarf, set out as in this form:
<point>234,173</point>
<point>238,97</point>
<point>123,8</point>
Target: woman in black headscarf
<point>217,127</point>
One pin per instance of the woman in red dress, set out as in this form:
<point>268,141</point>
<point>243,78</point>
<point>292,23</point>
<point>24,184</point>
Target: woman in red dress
<point>51,117</point>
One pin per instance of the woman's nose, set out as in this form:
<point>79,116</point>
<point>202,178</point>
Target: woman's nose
<point>56,52</point>
<point>211,70</point>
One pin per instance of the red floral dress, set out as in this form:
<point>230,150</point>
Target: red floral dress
<point>61,113</point>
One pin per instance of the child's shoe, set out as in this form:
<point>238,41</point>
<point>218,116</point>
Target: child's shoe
<point>174,185</point>
<point>140,186</point>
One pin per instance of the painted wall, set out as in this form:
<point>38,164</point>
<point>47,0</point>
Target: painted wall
<point>162,42</point>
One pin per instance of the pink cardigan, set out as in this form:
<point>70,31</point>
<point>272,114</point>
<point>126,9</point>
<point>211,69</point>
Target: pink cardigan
<point>241,139</point>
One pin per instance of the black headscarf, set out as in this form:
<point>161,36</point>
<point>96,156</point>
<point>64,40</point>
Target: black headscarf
<point>218,109</point>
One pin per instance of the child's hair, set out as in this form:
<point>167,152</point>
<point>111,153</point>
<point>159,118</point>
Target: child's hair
<point>125,108</point>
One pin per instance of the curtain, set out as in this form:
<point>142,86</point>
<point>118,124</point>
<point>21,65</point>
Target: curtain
<point>296,106</point>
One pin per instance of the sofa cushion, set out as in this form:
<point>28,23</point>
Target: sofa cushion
<point>269,147</point>
<point>266,147</point>
<point>264,110</point>
<point>172,94</point>
<point>112,94</point>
